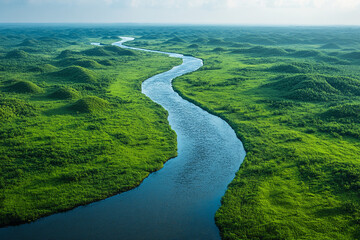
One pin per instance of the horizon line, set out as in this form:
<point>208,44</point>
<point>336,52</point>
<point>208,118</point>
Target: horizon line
<point>185,24</point>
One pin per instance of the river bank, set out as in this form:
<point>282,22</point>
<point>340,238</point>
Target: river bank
<point>180,200</point>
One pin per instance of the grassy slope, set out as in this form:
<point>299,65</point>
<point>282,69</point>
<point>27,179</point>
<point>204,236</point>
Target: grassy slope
<point>300,178</point>
<point>54,157</point>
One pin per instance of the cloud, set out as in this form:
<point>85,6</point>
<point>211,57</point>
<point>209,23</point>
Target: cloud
<point>71,2</point>
<point>311,3</point>
<point>176,3</point>
<point>335,4</point>
<point>201,4</point>
<point>215,4</point>
<point>297,12</point>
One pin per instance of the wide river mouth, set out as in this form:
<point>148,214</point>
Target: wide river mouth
<point>177,202</point>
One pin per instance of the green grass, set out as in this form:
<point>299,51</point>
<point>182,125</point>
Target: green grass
<point>86,63</point>
<point>64,93</point>
<point>23,87</point>
<point>91,104</point>
<point>43,68</point>
<point>298,120</point>
<point>77,74</point>
<point>291,95</point>
<point>71,135</point>
<point>346,111</point>
<point>16,54</point>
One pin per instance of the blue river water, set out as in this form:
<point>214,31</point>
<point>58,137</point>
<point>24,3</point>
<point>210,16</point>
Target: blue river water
<point>177,202</point>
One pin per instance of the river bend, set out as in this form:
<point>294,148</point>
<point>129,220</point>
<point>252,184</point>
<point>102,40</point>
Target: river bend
<point>177,202</point>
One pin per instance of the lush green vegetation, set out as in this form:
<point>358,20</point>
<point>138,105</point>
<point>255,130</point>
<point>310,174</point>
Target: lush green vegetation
<point>74,126</point>
<point>80,130</point>
<point>292,96</point>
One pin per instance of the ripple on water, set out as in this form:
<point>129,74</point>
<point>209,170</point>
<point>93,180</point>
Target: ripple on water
<point>177,202</point>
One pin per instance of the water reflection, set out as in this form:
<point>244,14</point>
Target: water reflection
<point>177,202</point>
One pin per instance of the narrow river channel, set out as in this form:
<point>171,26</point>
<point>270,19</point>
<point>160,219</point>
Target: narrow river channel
<point>177,202</point>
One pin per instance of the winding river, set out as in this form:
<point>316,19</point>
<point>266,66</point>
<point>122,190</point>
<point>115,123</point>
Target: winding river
<point>177,202</point>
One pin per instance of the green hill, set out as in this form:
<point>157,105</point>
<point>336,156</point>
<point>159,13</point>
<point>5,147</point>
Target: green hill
<point>17,54</point>
<point>106,62</point>
<point>24,87</point>
<point>13,107</point>
<point>114,50</point>
<point>64,93</point>
<point>193,46</point>
<point>352,55</point>
<point>219,49</point>
<point>29,43</point>
<point>215,41</point>
<point>199,40</point>
<point>306,53</point>
<point>43,68</point>
<point>96,51</point>
<point>175,40</point>
<point>77,74</point>
<point>263,51</point>
<point>348,111</point>
<point>90,105</point>
<point>305,88</point>
<point>285,68</point>
<point>67,54</point>
<point>86,63</point>
<point>108,51</point>
<point>330,46</point>
<point>52,41</point>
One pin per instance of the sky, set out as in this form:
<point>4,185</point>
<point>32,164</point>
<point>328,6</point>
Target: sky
<point>234,12</point>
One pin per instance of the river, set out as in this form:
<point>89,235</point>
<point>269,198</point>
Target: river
<point>177,202</point>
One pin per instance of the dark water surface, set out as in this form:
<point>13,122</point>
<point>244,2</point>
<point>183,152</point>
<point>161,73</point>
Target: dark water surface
<point>177,202</point>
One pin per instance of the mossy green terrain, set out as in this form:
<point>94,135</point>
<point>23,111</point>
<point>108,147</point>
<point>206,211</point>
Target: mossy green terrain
<point>77,74</point>
<point>23,87</point>
<point>291,95</point>
<point>64,93</point>
<point>293,99</point>
<point>91,104</point>
<point>75,127</point>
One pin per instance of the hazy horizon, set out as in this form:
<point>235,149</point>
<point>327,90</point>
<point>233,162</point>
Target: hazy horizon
<point>198,12</point>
